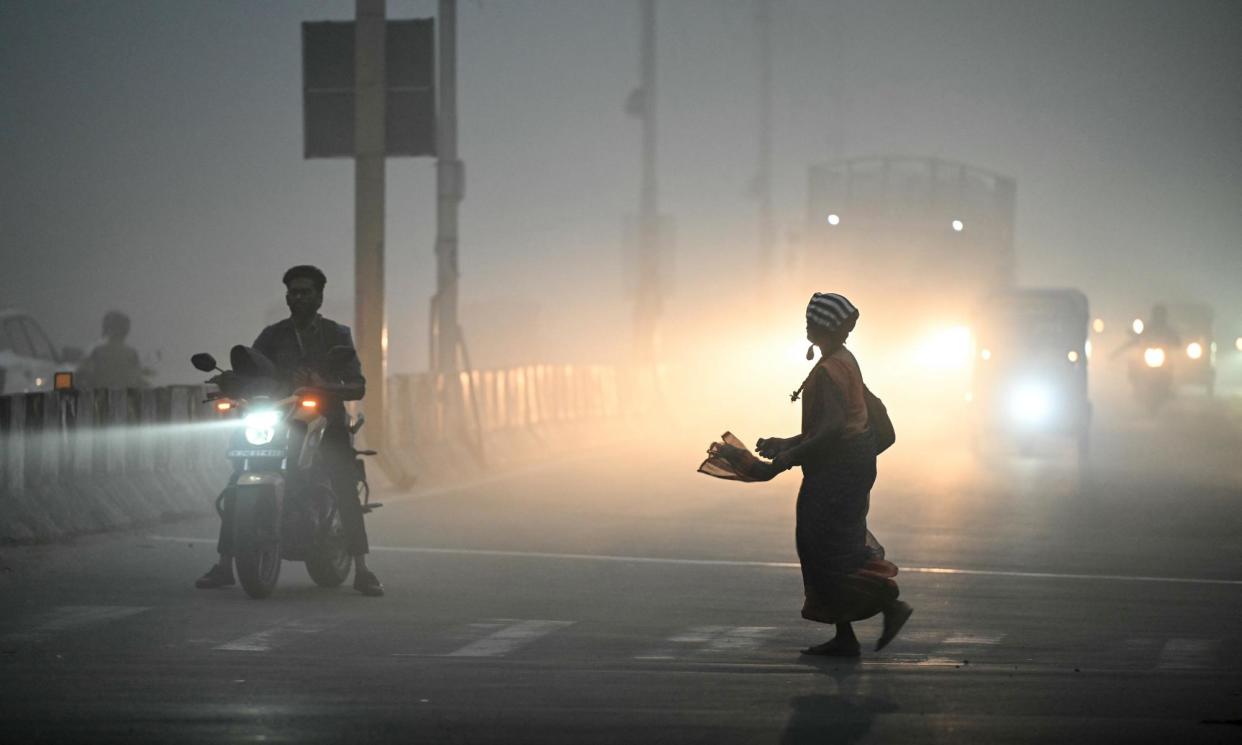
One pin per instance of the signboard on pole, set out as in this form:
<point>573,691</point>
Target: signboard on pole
<point>328,89</point>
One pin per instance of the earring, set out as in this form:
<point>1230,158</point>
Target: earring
<point>810,353</point>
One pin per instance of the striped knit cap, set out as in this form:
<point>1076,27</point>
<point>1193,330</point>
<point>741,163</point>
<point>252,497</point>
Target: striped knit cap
<point>830,310</point>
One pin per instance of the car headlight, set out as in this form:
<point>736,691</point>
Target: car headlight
<point>1194,350</point>
<point>1030,403</point>
<point>1153,357</point>
<point>261,427</point>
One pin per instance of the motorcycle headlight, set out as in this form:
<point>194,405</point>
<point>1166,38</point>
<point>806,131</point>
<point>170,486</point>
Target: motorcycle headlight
<point>261,427</point>
<point>1153,357</point>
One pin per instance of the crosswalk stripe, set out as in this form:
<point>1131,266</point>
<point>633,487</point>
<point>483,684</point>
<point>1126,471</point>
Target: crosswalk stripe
<point>1187,654</point>
<point>711,640</point>
<point>67,617</point>
<point>276,636</point>
<point>509,638</point>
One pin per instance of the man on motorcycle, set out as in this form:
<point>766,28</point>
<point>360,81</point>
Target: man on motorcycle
<point>298,347</point>
<point>1156,332</point>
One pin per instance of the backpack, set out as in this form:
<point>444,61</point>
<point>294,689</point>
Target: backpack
<point>879,423</point>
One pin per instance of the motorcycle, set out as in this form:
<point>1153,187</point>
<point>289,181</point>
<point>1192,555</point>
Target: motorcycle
<point>1151,377</point>
<point>280,494</point>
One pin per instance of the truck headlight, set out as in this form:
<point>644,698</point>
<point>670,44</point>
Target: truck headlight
<point>1153,357</point>
<point>261,427</point>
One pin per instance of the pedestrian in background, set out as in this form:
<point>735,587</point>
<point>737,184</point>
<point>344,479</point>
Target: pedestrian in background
<point>112,363</point>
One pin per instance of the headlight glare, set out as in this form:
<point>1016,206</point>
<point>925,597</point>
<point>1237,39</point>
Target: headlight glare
<point>1031,403</point>
<point>261,427</point>
<point>1153,357</point>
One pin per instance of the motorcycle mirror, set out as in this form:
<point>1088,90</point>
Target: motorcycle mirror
<point>203,361</point>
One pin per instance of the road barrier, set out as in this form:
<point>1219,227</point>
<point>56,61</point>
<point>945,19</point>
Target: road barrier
<point>87,461</point>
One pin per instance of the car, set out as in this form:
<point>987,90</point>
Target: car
<point>28,359</point>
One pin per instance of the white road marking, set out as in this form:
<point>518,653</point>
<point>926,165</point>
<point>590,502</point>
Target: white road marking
<point>758,564</point>
<point>67,617</point>
<point>711,640</point>
<point>1187,654</point>
<point>509,638</point>
<point>276,636</point>
<point>973,640</point>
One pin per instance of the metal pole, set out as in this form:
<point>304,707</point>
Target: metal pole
<point>649,300</point>
<point>763,175</point>
<point>369,152</point>
<point>449,191</point>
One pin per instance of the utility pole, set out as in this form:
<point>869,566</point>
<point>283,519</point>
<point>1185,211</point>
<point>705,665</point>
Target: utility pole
<point>649,296</point>
<point>763,173</point>
<point>369,154</point>
<point>450,174</point>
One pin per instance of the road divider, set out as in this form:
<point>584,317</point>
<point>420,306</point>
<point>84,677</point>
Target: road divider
<point>76,462</point>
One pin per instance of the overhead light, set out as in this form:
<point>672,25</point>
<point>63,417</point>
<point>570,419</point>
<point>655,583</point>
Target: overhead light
<point>834,219</point>
<point>957,226</point>
<point>1098,325</point>
<point>1072,356</point>
<point>1137,325</point>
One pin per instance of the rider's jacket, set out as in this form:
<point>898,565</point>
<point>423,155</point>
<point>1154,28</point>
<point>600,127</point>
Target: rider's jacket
<point>291,351</point>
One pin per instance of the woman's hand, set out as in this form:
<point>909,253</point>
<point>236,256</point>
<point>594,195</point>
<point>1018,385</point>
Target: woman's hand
<point>769,447</point>
<point>783,460</point>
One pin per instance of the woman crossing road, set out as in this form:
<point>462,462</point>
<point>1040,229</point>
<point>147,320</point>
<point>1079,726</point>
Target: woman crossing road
<point>845,576</point>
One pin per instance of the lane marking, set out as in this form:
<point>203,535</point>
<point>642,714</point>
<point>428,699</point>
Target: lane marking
<point>68,617</point>
<point>276,636</point>
<point>509,638</point>
<point>1187,654</point>
<point>757,564</point>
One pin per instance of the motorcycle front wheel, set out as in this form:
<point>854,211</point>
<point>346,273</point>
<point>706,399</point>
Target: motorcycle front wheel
<point>330,562</point>
<point>258,556</point>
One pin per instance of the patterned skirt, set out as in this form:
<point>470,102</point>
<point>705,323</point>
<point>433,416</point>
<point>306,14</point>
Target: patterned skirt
<point>844,574</point>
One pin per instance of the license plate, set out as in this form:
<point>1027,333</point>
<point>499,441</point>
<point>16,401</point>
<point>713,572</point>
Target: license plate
<point>256,454</point>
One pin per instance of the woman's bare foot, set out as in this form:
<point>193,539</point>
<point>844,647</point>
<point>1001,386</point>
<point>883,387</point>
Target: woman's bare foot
<point>895,617</point>
<point>837,647</point>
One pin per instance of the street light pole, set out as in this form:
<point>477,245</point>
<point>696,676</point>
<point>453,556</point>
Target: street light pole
<point>369,153</point>
<point>449,192</point>
<point>649,299</point>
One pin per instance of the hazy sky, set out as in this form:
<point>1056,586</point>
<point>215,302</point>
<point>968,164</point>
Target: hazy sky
<point>152,152</point>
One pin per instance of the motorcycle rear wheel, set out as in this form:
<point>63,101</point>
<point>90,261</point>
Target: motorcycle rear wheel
<point>330,562</point>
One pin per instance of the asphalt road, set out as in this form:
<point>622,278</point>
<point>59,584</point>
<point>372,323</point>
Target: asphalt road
<point>617,596</point>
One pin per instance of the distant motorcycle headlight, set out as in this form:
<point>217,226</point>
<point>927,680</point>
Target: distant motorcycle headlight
<point>261,427</point>
<point>1153,357</point>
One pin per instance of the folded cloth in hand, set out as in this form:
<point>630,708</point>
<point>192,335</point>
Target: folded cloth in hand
<point>732,460</point>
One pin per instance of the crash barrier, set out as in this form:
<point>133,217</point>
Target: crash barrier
<point>86,461</point>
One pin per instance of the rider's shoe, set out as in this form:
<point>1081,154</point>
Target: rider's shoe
<point>368,584</point>
<point>216,577</point>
